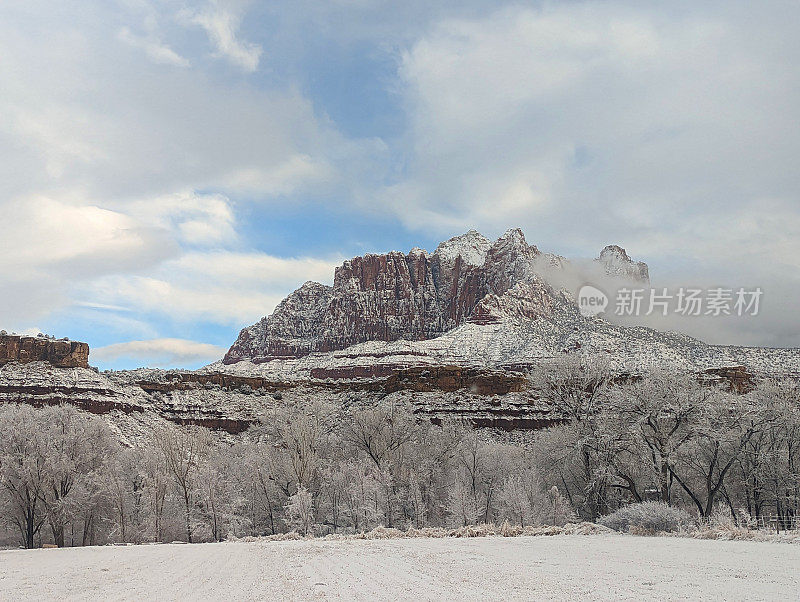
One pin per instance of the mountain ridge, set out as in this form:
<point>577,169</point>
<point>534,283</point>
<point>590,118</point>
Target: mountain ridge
<point>415,296</point>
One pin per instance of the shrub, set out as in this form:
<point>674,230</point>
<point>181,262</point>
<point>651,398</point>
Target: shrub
<point>647,517</point>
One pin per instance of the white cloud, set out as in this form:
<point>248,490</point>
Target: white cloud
<point>153,48</point>
<point>195,219</point>
<point>223,287</point>
<point>186,301</point>
<point>159,353</point>
<point>48,246</point>
<point>668,131</point>
<point>221,24</point>
<point>88,115</point>
<point>622,112</point>
<point>105,151</point>
<point>292,174</point>
<point>51,235</point>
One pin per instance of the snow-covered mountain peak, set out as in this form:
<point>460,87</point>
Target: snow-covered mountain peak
<point>616,262</point>
<point>614,251</point>
<point>311,285</point>
<point>513,241</point>
<point>471,247</point>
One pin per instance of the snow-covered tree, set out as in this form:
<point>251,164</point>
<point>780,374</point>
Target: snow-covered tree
<point>300,511</point>
<point>183,450</point>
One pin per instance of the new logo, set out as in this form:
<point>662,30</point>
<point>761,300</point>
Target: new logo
<point>591,300</point>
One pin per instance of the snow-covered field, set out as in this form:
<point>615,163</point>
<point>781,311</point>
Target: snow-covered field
<point>561,567</point>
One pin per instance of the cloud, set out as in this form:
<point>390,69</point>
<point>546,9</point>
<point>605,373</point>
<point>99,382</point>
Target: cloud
<point>221,24</point>
<point>221,287</point>
<point>49,246</point>
<point>159,353</point>
<point>629,116</point>
<point>295,173</point>
<point>90,115</point>
<point>115,164</point>
<point>153,48</point>
<point>194,219</point>
<point>50,235</point>
<point>663,130</point>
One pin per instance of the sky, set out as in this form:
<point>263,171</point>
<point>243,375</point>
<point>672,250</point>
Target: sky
<point>171,170</point>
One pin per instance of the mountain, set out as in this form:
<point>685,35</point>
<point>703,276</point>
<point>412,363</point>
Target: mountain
<point>615,262</point>
<point>414,297</point>
<point>500,305</point>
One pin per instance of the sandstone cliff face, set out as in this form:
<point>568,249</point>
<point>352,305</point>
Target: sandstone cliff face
<point>415,296</point>
<point>63,354</point>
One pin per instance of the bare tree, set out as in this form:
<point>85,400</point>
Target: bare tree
<point>379,432</point>
<point>182,451</point>
<point>577,389</point>
<point>24,469</point>
<point>728,424</point>
<point>656,416</point>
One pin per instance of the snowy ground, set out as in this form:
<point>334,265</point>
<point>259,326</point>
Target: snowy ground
<point>561,567</point>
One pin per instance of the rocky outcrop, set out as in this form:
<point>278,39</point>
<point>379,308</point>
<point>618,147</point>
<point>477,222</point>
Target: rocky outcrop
<point>736,379</point>
<point>415,296</point>
<point>617,263</point>
<point>59,353</point>
<point>528,300</point>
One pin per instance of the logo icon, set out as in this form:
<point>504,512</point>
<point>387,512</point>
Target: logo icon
<point>591,300</point>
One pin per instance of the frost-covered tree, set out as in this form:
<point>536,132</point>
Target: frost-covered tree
<point>655,417</point>
<point>182,451</point>
<point>729,422</point>
<point>577,389</point>
<point>300,511</point>
<point>461,504</point>
<point>24,470</point>
<point>52,470</point>
<point>124,483</point>
<point>221,507</point>
<point>259,477</point>
<point>78,450</point>
<point>517,500</point>
<point>557,510</point>
<point>380,432</point>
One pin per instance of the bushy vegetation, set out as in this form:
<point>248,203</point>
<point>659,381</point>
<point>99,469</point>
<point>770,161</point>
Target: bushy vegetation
<point>643,454</point>
<point>647,517</point>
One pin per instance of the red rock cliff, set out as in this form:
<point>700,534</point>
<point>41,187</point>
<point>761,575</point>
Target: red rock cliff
<point>63,354</point>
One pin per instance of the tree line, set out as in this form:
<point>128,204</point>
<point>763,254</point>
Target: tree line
<point>66,480</point>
